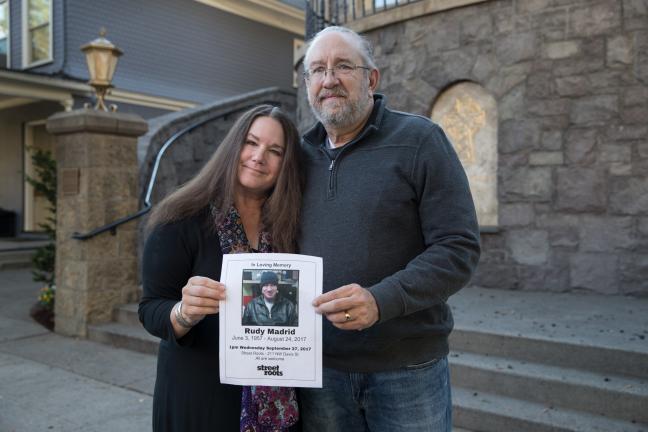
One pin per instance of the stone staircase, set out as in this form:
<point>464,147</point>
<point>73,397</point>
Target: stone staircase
<point>18,252</point>
<point>509,373</point>
<point>125,331</point>
<point>502,382</point>
<point>546,362</point>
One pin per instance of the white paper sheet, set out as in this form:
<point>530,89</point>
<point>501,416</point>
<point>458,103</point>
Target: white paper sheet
<point>285,355</point>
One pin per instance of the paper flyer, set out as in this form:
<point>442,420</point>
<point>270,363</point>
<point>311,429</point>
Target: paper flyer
<point>270,334</point>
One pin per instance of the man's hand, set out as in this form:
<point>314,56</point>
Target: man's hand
<point>349,307</point>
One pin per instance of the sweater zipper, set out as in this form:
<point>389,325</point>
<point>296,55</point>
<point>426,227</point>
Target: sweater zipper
<point>330,193</point>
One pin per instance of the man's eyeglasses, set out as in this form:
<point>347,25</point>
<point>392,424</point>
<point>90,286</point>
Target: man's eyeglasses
<point>318,73</point>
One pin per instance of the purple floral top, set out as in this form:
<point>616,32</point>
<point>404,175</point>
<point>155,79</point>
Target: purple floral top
<point>263,409</point>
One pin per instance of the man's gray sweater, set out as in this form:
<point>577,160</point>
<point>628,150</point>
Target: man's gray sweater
<point>393,213</point>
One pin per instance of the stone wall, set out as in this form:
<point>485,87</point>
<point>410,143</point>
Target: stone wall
<point>190,151</point>
<point>570,78</point>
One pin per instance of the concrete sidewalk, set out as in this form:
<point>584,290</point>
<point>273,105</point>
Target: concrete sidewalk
<point>54,383</point>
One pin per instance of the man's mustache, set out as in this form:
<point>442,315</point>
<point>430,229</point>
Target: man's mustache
<point>331,92</point>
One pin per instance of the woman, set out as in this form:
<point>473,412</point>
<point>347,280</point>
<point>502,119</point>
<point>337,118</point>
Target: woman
<point>245,199</point>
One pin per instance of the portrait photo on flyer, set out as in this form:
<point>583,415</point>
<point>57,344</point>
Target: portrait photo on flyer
<point>269,332</point>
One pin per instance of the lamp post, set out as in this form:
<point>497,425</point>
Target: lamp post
<point>101,57</point>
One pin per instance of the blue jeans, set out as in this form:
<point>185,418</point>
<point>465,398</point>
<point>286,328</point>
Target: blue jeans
<point>415,398</point>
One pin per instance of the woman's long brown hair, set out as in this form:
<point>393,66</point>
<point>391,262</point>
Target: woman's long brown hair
<point>216,182</point>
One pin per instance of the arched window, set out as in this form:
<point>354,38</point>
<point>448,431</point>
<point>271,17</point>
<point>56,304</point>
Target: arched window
<point>468,115</point>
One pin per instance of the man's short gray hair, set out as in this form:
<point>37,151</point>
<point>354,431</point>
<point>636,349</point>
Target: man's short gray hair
<point>364,46</point>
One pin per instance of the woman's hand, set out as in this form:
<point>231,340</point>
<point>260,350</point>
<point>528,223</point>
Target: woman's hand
<point>200,297</point>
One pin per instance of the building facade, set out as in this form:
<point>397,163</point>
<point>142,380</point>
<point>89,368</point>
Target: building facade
<point>177,55</point>
<point>546,102</point>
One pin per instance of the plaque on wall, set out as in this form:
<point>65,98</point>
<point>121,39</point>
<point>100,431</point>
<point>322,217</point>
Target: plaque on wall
<point>70,181</point>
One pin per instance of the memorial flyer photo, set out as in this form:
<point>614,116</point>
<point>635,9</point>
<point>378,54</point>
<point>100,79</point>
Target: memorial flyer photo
<point>269,332</point>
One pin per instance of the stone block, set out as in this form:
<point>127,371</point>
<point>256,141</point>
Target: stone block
<point>642,225</point>
<point>71,151</point>
<point>551,140</point>
<point>508,79</point>
<point>516,135</point>
<point>620,169</point>
<point>551,23</point>
<point>577,85</point>
<point>629,196</point>
<point>500,276</point>
<point>635,115</point>
<point>553,220</point>
<point>519,214</point>
<point>512,104</point>
<point>476,27</point>
<point>635,14</point>
<point>580,145</point>
<point>578,66</point>
<point>619,50</point>
<point>127,241</point>
<point>540,84</point>
<point>606,233</point>
<point>633,274</point>
<point>532,184</point>
<point>108,150</point>
<point>594,272</point>
<point>485,67</point>
<point>642,149</point>
<point>517,47</point>
<point>603,17</point>
<point>594,109</point>
<point>641,56</point>
<point>89,120</point>
<point>563,49</point>
<point>546,158</point>
<point>553,277</point>
<point>532,6</point>
<point>459,63</point>
<point>564,237</point>
<point>615,152</point>
<point>635,95</point>
<point>581,189</point>
<point>627,132</point>
<point>433,33</point>
<point>530,247</point>
<point>549,107</point>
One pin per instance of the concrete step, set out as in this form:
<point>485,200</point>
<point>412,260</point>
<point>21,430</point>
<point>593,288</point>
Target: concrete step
<point>11,259</point>
<point>127,314</point>
<point>608,395</point>
<point>127,336</point>
<point>589,354</point>
<point>485,412</point>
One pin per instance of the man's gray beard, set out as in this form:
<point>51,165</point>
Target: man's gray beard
<point>350,113</point>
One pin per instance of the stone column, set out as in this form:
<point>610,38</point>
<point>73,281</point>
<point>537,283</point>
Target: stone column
<point>97,184</point>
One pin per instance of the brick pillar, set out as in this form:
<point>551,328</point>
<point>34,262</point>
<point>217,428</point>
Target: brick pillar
<point>97,184</point>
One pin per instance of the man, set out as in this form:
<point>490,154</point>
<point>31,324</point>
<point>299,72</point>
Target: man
<point>388,207</point>
<point>270,309</point>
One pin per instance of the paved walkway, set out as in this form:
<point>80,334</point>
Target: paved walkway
<point>54,383</point>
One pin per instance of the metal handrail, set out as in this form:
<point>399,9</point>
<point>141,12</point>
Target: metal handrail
<point>324,13</point>
<point>112,227</point>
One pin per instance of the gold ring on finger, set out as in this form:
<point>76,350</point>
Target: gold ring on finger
<point>347,317</point>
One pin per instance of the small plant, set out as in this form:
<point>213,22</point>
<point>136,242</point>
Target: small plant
<point>44,259</point>
<point>45,184</point>
<point>46,297</point>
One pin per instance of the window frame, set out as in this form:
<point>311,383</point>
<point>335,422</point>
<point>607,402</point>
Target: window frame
<point>26,37</point>
<point>8,38</point>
